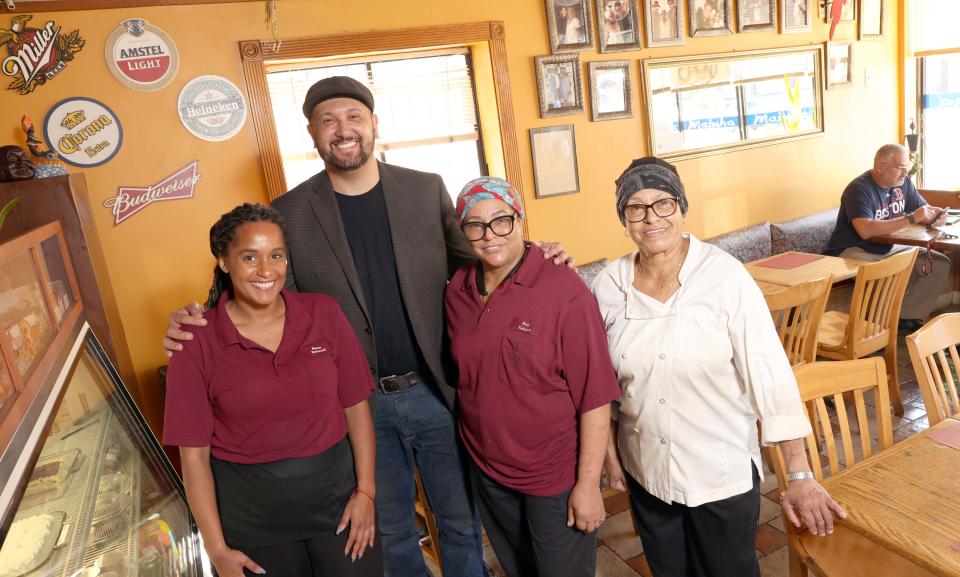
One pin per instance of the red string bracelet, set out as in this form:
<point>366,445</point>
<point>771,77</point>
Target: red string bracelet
<point>364,493</point>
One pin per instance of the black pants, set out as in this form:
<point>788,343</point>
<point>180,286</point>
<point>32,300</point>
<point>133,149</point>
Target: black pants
<point>711,540</point>
<point>529,534</point>
<point>317,557</point>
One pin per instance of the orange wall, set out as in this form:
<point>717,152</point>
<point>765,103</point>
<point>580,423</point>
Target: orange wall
<point>158,259</point>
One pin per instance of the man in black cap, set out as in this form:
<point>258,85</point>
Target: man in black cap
<point>383,240</point>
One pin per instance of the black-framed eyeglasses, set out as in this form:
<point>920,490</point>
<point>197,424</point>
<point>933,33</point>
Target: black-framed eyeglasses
<point>638,212</point>
<point>500,226</point>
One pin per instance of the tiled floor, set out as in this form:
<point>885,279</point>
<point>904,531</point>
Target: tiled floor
<point>620,553</point>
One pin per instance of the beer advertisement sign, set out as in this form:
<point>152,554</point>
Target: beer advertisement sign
<point>141,56</point>
<point>212,108</point>
<point>36,55</point>
<point>132,199</point>
<point>83,131</point>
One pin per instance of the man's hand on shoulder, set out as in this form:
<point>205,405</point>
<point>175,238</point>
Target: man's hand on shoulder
<point>556,251</point>
<point>191,314</point>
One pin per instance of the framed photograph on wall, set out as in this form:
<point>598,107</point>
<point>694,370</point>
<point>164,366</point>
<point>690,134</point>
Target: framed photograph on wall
<point>559,85</point>
<point>554,151</point>
<point>570,25</point>
<point>794,16</point>
<point>610,90</point>
<point>839,68</point>
<point>756,15</point>
<point>710,17</point>
<point>618,25</point>
<point>871,19</point>
<point>849,13</point>
<point>664,22</point>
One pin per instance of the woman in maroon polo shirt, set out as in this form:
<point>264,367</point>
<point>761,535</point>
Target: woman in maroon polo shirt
<point>534,391</point>
<point>262,402</point>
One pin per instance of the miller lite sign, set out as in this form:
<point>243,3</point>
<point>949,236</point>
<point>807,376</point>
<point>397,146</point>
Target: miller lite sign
<point>132,199</point>
<point>141,56</point>
<point>35,55</point>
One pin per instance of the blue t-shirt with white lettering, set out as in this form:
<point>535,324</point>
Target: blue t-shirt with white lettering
<point>864,198</point>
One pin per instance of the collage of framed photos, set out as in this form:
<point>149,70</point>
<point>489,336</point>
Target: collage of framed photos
<point>614,26</point>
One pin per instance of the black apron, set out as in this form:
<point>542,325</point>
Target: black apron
<point>284,501</point>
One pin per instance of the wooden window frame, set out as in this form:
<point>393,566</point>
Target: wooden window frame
<point>255,53</point>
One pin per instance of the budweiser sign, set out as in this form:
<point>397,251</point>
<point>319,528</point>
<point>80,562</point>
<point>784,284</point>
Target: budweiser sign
<point>132,199</point>
<point>36,55</point>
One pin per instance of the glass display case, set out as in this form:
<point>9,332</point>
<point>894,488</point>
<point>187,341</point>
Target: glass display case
<point>85,489</point>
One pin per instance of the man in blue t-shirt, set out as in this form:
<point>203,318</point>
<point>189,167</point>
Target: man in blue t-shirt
<point>881,201</point>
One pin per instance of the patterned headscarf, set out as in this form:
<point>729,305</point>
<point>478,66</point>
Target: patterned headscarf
<point>649,172</point>
<point>487,188</point>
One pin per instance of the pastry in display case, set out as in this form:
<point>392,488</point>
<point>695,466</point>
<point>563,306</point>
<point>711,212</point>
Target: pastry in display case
<point>85,488</point>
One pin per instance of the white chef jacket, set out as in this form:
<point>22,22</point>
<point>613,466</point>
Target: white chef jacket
<point>696,373</point>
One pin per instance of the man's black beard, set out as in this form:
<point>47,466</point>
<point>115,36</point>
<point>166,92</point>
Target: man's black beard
<point>330,159</point>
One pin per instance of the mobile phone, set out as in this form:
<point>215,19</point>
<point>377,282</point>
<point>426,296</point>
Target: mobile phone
<point>936,218</point>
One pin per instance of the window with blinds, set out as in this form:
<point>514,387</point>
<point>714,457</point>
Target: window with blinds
<point>940,121</point>
<point>424,102</point>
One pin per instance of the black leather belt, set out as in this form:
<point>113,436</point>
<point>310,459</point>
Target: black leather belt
<point>397,383</point>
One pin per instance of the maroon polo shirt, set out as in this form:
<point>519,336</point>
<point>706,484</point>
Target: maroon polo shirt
<point>531,359</point>
<point>251,405</point>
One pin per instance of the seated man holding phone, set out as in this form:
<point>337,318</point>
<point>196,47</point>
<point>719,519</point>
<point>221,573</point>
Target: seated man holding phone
<point>881,201</point>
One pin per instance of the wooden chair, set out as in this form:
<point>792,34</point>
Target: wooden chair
<point>818,381</point>
<point>797,312</point>
<point>933,353</point>
<point>871,324</point>
<point>430,544</point>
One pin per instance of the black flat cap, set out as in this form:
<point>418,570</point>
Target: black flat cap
<point>336,87</point>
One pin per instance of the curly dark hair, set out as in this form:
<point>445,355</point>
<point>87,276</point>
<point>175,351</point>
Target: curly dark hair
<point>223,233</point>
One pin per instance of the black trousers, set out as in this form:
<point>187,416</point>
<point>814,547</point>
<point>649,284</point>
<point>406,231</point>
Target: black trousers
<point>711,540</point>
<point>317,557</point>
<point>529,534</point>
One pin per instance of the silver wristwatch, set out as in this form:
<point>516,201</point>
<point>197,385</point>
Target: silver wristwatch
<point>799,476</point>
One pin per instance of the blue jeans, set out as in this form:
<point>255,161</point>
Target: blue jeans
<point>414,426</point>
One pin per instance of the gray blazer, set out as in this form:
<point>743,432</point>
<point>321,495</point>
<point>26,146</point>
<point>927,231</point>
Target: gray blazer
<point>427,244</point>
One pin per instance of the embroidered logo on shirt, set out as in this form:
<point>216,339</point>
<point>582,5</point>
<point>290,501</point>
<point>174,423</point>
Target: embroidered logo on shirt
<point>321,349</point>
<point>317,350</point>
<point>525,326</point>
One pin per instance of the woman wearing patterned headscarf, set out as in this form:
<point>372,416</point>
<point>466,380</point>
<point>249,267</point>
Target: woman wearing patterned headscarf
<point>534,390</point>
<point>699,363</point>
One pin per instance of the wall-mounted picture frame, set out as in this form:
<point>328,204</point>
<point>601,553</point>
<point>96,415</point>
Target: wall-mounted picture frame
<point>554,150</point>
<point>559,85</point>
<point>849,13</point>
<point>756,15</point>
<point>871,19</point>
<point>570,25</point>
<point>838,70</point>
<point>795,16</point>
<point>693,108</point>
<point>618,25</point>
<point>710,17</point>
<point>664,22</point>
<point>610,94</point>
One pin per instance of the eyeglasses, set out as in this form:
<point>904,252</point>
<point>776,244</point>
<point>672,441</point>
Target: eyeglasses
<point>500,226</point>
<point>638,212</point>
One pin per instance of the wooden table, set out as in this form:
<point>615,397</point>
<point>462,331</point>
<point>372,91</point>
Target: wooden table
<point>905,499</point>
<point>775,279</point>
<point>918,235</point>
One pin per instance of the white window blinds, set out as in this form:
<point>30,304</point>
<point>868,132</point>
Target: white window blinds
<point>421,100</point>
<point>934,26</point>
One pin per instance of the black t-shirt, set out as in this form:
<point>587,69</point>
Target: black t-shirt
<point>864,198</point>
<point>365,222</point>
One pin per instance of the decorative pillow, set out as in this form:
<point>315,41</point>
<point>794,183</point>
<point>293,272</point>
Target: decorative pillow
<point>745,244</point>
<point>809,233</point>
